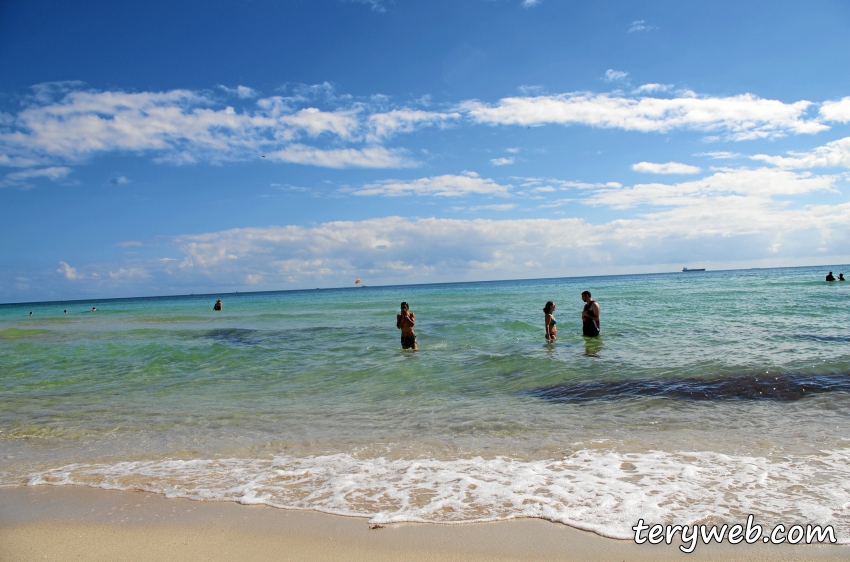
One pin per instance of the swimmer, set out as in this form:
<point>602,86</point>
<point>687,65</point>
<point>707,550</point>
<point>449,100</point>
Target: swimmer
<point>841,277</point>
<point>549,321</point>
<point>404,321</point>
<point>65,311</point>
<point>217,305</point>
<point>590,316</point>
<point>829,277</point>
<point>30,313</point>
<point>93,309</point>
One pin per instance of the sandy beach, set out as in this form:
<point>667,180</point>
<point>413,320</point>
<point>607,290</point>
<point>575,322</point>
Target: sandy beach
<point>78,523</point>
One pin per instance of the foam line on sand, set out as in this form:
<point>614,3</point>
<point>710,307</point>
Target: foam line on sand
<point>80,523</point>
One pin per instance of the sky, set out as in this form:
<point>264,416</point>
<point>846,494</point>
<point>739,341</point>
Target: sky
<point>159,148</point>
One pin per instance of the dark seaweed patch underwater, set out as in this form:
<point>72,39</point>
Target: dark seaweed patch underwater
<point>779,388</point>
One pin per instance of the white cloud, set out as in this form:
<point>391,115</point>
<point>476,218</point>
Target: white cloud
<point>612,75</point>
<point>242,92</point>
<point>501,161</point>
<point>120,180</point>
<point>650,88</point>
<point>182,126</point>
<point>396,249</point>
<point>17,161</point>
<point>530,3</point>
<point>836,110</point>
<point>447,185</point>
<point>54,173</point>
<point>760,184</point>
<point>370,157</point>
<point>731,216</point>
<point>832,154</point>
<point>640,25</point>
<point>386,124</point>
<point>562,184</point>
<point>67,271</point>
<point>497,207</point>
<point>720,155</point>
<point>741,117</point>
<point>668,168</point>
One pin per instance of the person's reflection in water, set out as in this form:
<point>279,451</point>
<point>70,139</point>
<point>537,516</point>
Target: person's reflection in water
<point>592,347</point>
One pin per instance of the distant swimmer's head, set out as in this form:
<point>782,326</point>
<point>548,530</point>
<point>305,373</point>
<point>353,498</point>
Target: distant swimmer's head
<point>30,313</point>
<point>585,296</point>
<point>93,309</point>
<point>549,308</point>
<point>404,306</point>
<point>65,311</point>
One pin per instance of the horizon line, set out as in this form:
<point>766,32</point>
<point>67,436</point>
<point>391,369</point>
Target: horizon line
<point>396,285</point>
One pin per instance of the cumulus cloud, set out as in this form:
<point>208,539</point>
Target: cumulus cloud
<point>383,125</point>
<point>502,161</point>
<point>729,216</point>
<point>836,110</point>
<point>612,75</point>
<point>832,154</point>
<point>182,126</point>
<point>394,249</point>
<point>741,117</point>
<point>652,88</point>
<point>668,168</point>
<point>530,3</point>
<point>67,271</point>
<point>448,185</point>
<point>242,92</point>
<point>761,184</point>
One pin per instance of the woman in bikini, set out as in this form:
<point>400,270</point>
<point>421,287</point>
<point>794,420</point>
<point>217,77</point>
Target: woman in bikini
<point>549,321</point>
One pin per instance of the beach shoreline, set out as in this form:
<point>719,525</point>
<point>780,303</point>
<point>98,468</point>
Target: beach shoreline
<point>77,522</point>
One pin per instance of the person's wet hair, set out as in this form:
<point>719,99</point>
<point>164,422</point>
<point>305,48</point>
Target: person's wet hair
<point>550,306</point>
<point>585,293</point>
<point>404,305</point>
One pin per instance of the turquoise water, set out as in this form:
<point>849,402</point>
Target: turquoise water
<point>708,395</point>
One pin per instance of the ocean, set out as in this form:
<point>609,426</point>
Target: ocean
<point>709,396</point>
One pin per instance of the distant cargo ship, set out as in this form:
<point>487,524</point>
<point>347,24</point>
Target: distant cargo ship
<point>686,270</point>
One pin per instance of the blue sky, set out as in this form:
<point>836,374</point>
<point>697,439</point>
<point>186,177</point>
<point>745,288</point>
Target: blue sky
<point>169,148</point>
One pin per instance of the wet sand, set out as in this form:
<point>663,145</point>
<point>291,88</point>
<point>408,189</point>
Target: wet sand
<point>79,523</point>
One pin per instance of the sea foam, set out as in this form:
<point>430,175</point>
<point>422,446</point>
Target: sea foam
<point>600,491</point>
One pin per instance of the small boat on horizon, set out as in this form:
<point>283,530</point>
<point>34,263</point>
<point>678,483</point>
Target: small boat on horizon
<point>686,270</point>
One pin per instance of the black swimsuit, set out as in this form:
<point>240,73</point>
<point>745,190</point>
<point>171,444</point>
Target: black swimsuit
<point>589,327</point>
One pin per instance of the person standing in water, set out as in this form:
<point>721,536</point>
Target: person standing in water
<point>404,321</point>
<point>829,277</point>
<point>217,305</point>
<point>590,316</point>
<point>841,277</point>
<point>549,321</point>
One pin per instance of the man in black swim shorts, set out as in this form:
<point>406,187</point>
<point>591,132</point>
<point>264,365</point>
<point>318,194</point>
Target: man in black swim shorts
<point>589,316</point>
<point>404,321</point>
